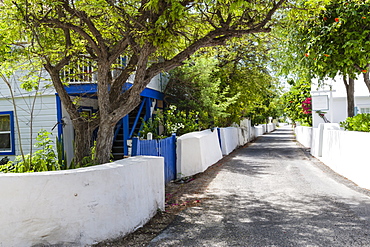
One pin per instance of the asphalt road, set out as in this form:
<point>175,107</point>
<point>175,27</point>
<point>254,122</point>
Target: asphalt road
<point>272,193</point>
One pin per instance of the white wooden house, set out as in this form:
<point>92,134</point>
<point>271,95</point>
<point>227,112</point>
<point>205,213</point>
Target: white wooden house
<point>331,98</point>
<point>43,110</point>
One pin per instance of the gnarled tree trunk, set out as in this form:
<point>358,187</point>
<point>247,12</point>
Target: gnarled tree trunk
<point>82,141</point>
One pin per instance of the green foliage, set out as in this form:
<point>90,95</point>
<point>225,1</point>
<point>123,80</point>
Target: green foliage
<point>227,84</point>
<point>43,159</point>
<point>154,35</point>
<point>338,39</point>
<point>196,89</point>
<point>243,68</point>
<point>360,122</point>
<point>331,37</point>
<point>61,156</point>
<point>293,99</point>
<point>87,160</point>
<point>172,121</point>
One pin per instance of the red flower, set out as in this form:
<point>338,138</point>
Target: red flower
<point>306,54</point>
<point>336,19</point>
<point>306,106</point>
<point>364,71</point>
<point>326,55</point>
<point>363,17</point>
<point>325,18</point>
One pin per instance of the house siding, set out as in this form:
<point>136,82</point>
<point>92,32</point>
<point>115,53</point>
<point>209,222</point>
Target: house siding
<point>44,117</point>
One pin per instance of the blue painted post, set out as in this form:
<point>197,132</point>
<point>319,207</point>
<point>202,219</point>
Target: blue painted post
<point>174,153</point>
<point>135,143</point>
<point>147,110</point>
<point>59,116</point>
<point>125,133</point>
<point>136,119</point>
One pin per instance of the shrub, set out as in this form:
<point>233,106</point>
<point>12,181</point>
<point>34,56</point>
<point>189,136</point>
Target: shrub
<point>360,122</point>
<point>43,159</point>
<point>172,121</point>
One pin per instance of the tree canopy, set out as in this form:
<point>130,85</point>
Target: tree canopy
<point>154,35</point>
<point>330,39</point>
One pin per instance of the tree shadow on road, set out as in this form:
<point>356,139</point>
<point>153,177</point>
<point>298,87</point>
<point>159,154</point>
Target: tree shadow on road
<point>235,220</point>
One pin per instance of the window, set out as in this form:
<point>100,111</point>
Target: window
<point>7,145</point>
<point>365,110</point>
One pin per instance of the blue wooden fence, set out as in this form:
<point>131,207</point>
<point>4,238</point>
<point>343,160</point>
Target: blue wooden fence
<point>163,147</point>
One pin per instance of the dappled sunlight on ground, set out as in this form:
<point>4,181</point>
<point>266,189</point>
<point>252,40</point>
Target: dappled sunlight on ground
<point>271,194</point>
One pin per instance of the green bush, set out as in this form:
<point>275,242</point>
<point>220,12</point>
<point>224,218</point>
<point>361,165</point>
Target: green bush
<point>43,159</point>
<point>360,122</point>
<point>173,121</point>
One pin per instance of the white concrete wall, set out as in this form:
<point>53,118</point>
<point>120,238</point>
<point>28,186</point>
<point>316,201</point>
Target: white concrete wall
<point>247,131</point>
<point>315,142</point>
<point>229,139</point>
<point>243,136</point>
<point>270,127</point>
<point>197,151</point>
<point>80,207</point>
<point>346,152</point>
<point>304,135</point>
<point>259,130</point>
<point>252,134</point>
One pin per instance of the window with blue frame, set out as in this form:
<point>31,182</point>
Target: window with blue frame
<point>7,146</point>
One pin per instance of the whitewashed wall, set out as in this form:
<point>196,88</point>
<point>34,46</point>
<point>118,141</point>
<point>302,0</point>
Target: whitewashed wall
<point>259,130</point>
<point>229,139</point>
<point>44,117</point>
<point>270,127</point>
<point>346,152</point>
<point>197,151</point>
<point>80,207</point>
<point>243,136</point>
<point>304,135</point>
<point>246,126</point>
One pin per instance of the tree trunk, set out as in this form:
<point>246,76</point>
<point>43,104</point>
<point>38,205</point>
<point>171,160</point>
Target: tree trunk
<point>107,122</point>
<point>350,89</point>
<point>104,142</point>
<point>82,142</point>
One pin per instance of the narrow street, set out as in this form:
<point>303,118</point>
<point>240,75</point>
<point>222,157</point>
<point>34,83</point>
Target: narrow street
<point>272,193</point>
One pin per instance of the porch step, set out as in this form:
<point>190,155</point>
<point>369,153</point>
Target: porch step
<point>118,145</point>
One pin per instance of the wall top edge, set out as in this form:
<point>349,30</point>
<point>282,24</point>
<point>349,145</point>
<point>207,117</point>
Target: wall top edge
<point>137,160</point>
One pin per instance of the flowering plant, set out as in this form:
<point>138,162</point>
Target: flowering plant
<point>307,106</point>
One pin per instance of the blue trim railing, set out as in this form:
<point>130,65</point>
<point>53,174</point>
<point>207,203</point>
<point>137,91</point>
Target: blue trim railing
<point>137,119</point>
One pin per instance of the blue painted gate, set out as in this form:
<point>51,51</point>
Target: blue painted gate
<point>162,147</point>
